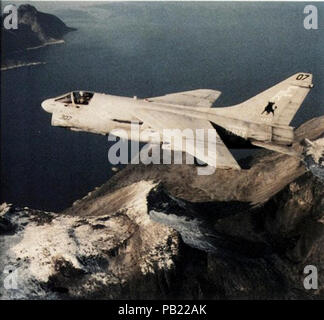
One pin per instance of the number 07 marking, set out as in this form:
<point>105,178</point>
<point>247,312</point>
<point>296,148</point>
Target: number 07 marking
<point>302,76</point>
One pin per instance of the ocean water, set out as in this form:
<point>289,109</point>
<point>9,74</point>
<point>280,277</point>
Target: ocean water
<point>143,49</point>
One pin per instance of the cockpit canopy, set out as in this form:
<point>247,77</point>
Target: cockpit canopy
<point>82,97</point>
<point>76,98</point>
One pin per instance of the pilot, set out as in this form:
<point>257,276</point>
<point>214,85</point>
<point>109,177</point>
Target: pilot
<point>82,98</point>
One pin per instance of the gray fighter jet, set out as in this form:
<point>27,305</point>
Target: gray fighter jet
<point>261,121</point>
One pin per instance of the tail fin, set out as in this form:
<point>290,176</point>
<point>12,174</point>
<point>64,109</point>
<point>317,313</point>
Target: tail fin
<point>277,105</point>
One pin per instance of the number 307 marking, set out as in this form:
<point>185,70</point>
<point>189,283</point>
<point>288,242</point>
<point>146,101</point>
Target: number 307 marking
<point>302,76</point>
<point>65,117</point>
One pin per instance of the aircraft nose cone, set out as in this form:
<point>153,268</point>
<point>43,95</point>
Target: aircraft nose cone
<point>48,105</point>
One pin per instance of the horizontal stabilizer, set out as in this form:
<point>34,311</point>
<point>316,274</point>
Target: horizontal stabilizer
<point>278,148</point>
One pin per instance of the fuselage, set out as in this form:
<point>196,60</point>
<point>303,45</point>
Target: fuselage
<point>104,114</point>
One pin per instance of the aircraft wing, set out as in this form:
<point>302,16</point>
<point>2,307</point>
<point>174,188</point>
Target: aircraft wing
<point>194,98</point>
<point>195,144</point>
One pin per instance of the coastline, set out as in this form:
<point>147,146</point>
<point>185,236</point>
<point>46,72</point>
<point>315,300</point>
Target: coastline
<point>61,41</point>
<point>21,65</point>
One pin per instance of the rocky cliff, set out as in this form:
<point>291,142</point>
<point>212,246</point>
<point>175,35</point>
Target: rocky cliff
<point>35,29</point>
<point>164,232</point>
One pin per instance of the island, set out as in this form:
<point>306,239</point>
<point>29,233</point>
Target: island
<point>35,29</point>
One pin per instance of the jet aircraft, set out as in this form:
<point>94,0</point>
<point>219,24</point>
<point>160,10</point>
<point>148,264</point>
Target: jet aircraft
<point>261,121</point>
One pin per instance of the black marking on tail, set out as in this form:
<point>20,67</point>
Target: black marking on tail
<point>270,108</point>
